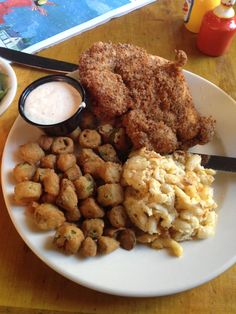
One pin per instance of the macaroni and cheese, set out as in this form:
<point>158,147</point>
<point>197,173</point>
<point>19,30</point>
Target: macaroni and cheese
<point>169,197</point>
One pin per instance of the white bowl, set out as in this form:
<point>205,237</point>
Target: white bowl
<point>6,68</point>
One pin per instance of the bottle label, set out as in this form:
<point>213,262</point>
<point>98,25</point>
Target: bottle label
<point>187,8</point>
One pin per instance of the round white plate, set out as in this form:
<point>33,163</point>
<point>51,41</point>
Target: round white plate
<point>144,271</point>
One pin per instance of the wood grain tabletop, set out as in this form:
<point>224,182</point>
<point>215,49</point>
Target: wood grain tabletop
<point>27,285</point>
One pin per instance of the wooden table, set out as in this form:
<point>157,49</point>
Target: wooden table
<point>29,286</point>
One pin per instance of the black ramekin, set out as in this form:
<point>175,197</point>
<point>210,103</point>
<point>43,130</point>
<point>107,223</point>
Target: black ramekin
<point>64,127</point>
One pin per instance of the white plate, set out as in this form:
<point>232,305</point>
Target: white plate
<point>144,271</point>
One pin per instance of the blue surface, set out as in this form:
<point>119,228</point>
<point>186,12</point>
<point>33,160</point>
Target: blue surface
<point>65,14</point>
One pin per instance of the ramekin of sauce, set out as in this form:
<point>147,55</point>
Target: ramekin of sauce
<point>53,103</point>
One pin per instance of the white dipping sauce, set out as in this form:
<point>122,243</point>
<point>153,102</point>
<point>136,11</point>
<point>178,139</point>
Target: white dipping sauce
<point>52,103</point>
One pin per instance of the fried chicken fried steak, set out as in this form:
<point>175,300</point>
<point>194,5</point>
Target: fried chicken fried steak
<point>147,92</point>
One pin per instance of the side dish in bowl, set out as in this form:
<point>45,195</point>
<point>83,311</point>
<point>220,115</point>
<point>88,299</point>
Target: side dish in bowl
<point>53,103</point>
<point>8,85</point>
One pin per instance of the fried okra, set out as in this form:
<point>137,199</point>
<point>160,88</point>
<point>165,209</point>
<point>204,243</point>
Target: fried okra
<point>66,193</point>
<point>48,216</point>
<point>62,145</point>
<point>120,140</point>
<point>68,237</point>
<point>31,153</point>
<point>24,172</point>
<point>66,161</point>
<point>75,134</point>
<point>88,247</point>
<point>108,153</point>
<point>73,173</point>
<point>93,227</point>
<point>92,167</point>
<point>110,172</point>
<point>51,183</point>
<point>48,161</point>
<point>127,239</point>
<point>48,198</point>
<point>105,130</point>
<point>40,173</point>
<point>67,198</point>
<point>90,209</point>
<point>118,217</point>
<point>112,232</point>
<point>85,186</point>
<point>45,142</point>
<point>87,154</point>
<point>89,139</point>
<point>73,215</point>
<point>110,194</point>
<point>88,120</point>
<point>89,161</point>
<point>107,245</point>
<point>27,191</point>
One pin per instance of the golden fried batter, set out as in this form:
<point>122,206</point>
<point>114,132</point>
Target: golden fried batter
<point>31,153</point>
<point>148,92</point>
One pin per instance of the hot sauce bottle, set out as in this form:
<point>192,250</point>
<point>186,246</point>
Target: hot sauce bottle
<point>194,11</point>
<point>217,29</point>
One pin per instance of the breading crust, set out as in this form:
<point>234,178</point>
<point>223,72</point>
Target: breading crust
<point>147,92</point>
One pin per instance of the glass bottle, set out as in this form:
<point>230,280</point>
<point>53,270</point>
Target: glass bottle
<point>194,11</point>
<point>217,29</point>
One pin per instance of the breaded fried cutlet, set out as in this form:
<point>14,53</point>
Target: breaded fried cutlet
<point>148,93</point>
